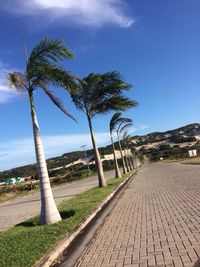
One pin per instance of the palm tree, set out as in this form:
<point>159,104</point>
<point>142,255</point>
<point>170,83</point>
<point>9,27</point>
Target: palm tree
<point>122,126</point>
<point>115,121</point>
<point>127,141</point>
<point>42,70</point>
<point>98,94</point>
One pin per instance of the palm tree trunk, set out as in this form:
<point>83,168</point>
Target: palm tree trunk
<point>129,159</point>
<point>126,160</point>
<point>133,160</point>
<point>101,177</point>
<point>117,171</point>
<point>49,213</point>
<point>122,157</point>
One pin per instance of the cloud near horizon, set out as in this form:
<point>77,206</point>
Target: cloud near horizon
<point>21,151</point>
<point>93,13</point>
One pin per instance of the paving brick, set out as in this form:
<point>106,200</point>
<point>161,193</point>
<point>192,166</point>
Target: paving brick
<point>155,222</point>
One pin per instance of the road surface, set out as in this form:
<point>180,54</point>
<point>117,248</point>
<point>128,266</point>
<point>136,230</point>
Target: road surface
<point>19,209</point>
<point>155,222</point>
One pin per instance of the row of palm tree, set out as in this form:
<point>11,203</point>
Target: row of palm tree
<point>95,94</point>
<point>120,125</point>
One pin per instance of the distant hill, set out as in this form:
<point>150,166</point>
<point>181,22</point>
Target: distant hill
<point>183,134</point>
<point>170,144</point>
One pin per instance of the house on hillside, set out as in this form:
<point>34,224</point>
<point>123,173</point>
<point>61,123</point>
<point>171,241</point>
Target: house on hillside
<point>10,180</point>
<point>19,180</point>
<point>14,180</point>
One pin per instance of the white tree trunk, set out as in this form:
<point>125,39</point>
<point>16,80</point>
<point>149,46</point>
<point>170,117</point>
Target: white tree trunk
<point>117,171</point>
<point>131,162</point>
<point>126,160</point>
<point>49,213</point>
<point>122,157</point>
<point>99,166</point>
<point>129,159</point>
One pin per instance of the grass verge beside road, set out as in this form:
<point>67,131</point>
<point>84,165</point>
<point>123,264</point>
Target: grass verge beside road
<point>24,244</point>
<point>18,190</point>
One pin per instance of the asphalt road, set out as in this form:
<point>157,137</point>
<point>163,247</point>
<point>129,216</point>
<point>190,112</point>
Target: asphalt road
<point>22,208</point>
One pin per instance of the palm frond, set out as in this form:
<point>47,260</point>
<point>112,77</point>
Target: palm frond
<point>17,81</point>
<point>52,74</point>
<point>56,101</point>
<point>78,98</point>
<point>48,51</point>
<point>125,134</point>
<point>109,84</point>
<point>125,127</point>
<point>114,120</point>
<point>112,103</point>
<point>100,93</point>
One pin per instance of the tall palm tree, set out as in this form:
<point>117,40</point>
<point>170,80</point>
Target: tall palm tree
<point>127,141</point>
<point>42,70</point>
<point>98,94</point>
<point>122,126</point>
<point>115,121</point>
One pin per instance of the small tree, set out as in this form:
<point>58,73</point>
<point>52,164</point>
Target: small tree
<point>99,94</point>
<point>42,70</point>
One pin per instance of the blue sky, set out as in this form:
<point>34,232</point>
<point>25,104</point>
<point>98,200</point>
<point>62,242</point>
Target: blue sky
<point>154,44</point>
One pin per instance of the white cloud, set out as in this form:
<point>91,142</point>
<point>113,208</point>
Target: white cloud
<point>5,92</point>
<point>21,151</point>
<point>85,12</point>
<point>140,128</point>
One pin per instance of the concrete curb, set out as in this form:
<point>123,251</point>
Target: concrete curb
<point>61,245</point>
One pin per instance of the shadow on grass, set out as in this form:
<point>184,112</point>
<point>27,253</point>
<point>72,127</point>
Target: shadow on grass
<point>67,214</point>
<point>35,221</point>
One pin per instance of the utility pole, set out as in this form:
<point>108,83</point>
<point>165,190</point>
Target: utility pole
<point>86,158</point>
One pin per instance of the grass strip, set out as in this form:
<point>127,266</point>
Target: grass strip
<point>27,242</point>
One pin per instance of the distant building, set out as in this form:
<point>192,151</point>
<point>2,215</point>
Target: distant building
<point>19,180</point>
<point>192,153</point>
<point>10,180</point>
<point>14,180</point>
<point>117,154</point>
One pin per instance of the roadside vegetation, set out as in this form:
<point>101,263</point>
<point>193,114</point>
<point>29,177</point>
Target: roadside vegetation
<point>61,176</point>
<point>27,242</point>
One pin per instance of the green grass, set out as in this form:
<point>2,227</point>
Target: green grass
<point>23,245</point>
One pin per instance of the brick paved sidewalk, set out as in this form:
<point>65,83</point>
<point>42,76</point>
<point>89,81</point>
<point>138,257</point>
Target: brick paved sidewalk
<point>156,222</point>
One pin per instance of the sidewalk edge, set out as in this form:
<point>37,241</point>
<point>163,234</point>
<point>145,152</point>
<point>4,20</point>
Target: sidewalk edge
<point>61,245</point>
